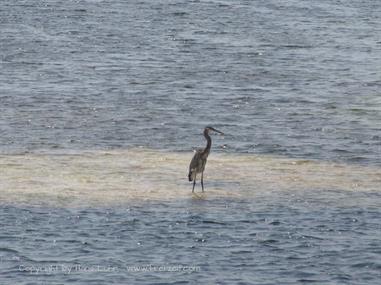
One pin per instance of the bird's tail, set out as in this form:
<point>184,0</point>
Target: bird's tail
<point>190,176</point>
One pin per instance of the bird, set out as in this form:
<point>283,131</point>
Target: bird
<point>198,162</point>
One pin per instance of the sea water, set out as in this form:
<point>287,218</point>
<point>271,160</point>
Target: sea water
<point>103,102</point>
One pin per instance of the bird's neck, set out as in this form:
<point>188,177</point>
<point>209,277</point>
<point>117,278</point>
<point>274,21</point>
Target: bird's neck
<point>209,142</point>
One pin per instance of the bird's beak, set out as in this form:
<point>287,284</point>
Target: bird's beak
<point>219,132</point>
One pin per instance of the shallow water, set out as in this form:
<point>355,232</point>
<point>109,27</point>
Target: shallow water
<point>102,102</point>
<point>123,176</point>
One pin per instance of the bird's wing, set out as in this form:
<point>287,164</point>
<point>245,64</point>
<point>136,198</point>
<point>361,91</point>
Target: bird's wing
<point>195,160</point>
<point>194,164</point>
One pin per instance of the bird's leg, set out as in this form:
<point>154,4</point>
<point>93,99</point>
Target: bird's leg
<point>194,183</point>
<point>202,181</point>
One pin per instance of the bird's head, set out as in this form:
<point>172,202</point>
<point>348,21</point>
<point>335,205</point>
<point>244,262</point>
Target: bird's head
<point>212,130</point>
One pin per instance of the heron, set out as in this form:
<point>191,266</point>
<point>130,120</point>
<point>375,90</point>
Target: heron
<point>198,161</point>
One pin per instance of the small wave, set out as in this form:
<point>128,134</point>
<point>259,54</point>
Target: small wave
<point>5,249</point>
<point>213,222</point>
